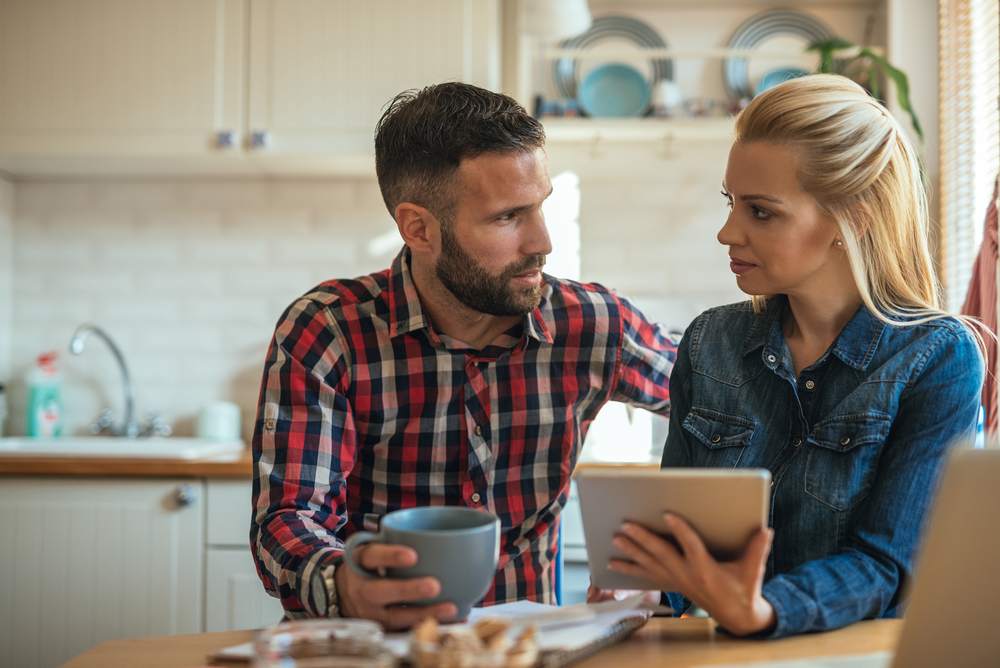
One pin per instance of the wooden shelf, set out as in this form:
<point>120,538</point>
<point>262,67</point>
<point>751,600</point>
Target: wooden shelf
<point>566,130</point>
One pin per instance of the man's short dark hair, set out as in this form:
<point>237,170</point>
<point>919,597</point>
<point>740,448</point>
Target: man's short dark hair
<point>423,135</point>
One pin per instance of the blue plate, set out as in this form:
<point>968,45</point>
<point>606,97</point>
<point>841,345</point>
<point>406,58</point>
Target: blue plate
<point>774,77</point>
<point>614,91</point>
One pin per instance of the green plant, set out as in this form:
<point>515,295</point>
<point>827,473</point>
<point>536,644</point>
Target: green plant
<point>865,66</point>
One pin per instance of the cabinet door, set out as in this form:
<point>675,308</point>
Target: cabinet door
<point>322,70</point>
<point>120,77</point>
<point>234,597</point>
<point>89,560</point>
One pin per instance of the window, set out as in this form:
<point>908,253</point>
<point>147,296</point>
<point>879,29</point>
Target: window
<point>970,133</point>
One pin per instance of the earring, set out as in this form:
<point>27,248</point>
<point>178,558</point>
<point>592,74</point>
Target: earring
<point>839,243</point>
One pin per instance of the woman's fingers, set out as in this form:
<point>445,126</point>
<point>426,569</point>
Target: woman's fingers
<point>690,542</point>
<point>662,551</point>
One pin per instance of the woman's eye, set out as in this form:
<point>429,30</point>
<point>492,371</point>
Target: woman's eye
<point>759,213</point>
<point>729,198</point>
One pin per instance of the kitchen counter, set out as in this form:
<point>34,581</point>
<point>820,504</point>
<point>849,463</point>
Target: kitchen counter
<point>239,467</point>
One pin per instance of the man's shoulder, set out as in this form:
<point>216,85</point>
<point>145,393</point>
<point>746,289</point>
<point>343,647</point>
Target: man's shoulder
<point>332,298</point>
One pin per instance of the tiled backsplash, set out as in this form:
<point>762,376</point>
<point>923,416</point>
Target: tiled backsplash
<point>190,276</point>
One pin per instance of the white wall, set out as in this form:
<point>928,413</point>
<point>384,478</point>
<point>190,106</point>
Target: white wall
<point>6,275</point>
<point>190,276</point>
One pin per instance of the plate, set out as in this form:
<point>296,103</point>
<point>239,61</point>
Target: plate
<point>774,77</point>
<point>781,28</point>
<point>614,90</point>
<point>612,29</point>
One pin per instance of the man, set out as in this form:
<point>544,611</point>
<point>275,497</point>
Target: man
<point>462,375</point>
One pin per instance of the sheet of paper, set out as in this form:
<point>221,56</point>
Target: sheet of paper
<point>873,660</point>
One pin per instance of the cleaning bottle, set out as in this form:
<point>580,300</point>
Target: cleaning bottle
<point>44,403</point>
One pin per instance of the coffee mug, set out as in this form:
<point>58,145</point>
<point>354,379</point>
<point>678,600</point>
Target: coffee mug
<point>219,421</point>
<point>459,547</point>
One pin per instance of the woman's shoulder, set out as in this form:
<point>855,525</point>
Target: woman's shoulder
<point>941,342</point>
<point>725,323</point>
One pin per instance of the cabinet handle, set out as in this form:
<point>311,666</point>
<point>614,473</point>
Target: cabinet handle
<point>225,138</point>
<point>184,496</point>
<point>260,139</point>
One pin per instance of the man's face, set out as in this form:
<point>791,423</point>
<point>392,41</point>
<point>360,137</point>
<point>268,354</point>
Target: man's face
<point>494,247</point>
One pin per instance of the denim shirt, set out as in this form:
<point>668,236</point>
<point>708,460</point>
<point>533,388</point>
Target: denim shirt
<point>854,445</point>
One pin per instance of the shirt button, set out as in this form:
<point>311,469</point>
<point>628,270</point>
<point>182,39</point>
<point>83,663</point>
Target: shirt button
<point>796,442</point>
<point>772,359</point>
<point>478,430</point>
<point>716,438</point>
<point>846,440</point>
<point>475,497</point>
<point>269,424</point>
<point>810,384</point>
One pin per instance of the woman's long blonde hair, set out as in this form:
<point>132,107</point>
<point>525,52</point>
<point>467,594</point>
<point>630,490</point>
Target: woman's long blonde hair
<point>858,164</point>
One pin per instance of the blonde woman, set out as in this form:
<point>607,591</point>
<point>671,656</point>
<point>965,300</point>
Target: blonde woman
<point>842,375</point>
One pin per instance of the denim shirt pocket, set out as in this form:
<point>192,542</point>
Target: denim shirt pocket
<point>843,454</point>
<point>723,436</point>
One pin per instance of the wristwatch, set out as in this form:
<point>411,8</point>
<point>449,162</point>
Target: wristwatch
<point>324,591</point>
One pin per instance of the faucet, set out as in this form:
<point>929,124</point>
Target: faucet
<point>129,427</point>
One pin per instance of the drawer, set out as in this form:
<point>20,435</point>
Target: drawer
<point>229,512</point>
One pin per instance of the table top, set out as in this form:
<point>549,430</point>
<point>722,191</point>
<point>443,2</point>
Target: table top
<point>681,642</point>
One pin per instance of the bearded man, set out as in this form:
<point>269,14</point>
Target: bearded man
<point>462,375</point>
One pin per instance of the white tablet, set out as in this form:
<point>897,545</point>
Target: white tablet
<point>725,507</point>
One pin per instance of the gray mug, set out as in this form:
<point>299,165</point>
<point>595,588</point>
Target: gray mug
<point>459,547</point>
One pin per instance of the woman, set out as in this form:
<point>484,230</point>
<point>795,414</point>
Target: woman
<point>842,375</point>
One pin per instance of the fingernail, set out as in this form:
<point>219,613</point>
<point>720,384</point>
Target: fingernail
<point>669,518</point>
<point>619,543</point>
<point>429,589</point>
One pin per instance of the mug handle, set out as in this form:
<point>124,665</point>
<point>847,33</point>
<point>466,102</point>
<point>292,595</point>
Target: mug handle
<point>353,543</point>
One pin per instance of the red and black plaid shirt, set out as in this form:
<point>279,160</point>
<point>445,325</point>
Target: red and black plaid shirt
<point>365,409</point>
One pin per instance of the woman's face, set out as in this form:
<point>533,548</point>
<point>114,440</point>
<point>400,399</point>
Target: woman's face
<point>780,241</point>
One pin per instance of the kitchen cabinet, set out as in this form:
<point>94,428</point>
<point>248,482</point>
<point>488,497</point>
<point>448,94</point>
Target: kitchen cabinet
<point>89,559</point>
<point>92,559</point>
<point>231,86</point>
<point>119,77</point>
<point>234,596</point>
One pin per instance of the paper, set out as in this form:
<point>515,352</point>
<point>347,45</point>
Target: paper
<point>873,660</point>
<point>569,627</point>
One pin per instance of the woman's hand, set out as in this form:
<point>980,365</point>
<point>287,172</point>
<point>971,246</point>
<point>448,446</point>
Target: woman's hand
<point>729,591</point>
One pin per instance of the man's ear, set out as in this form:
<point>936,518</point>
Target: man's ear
<point>418,227</point>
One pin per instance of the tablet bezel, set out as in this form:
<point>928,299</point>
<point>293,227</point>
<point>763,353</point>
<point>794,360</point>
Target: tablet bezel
<point>725,507</point>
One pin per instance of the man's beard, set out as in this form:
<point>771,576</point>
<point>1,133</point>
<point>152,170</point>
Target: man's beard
<point>478,289</point>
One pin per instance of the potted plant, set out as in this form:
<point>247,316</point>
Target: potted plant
<point>867,67</point>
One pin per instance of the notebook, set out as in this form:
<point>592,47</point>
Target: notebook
<point>565,634</point>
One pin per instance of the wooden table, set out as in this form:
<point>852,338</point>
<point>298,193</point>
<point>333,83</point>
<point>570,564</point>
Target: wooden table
<point>663,641</point>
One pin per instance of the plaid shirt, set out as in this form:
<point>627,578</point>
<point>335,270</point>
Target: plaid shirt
<point>365,409</point>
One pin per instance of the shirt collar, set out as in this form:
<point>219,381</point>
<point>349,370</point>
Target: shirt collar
<point>407,315</point>
<point>855,345</point>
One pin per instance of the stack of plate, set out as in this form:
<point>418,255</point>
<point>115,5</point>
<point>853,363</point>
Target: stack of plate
<point>612,89</point>
<point>772,29</point>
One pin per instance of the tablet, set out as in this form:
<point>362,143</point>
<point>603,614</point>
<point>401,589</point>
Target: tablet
<point>725,507</point>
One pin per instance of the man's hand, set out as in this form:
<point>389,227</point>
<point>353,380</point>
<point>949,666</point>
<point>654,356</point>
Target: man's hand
<point>383,599</point>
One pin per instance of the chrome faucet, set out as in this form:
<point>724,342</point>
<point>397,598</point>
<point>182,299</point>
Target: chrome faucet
<point>129,427</point>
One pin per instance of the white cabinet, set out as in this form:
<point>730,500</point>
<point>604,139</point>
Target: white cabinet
<point>322,70</point>
<point>234,595</point>
<point>236,86</point>
<point>88,560</point>
<point>119,77</point>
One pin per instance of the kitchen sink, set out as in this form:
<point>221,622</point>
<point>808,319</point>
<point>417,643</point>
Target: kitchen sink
<point>108,446</point>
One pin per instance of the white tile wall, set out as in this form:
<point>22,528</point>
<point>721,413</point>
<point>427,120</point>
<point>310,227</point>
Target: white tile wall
<point>6,275</point>
<point>190,276</point>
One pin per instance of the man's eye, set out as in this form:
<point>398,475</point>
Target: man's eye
<point>507,217</point>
